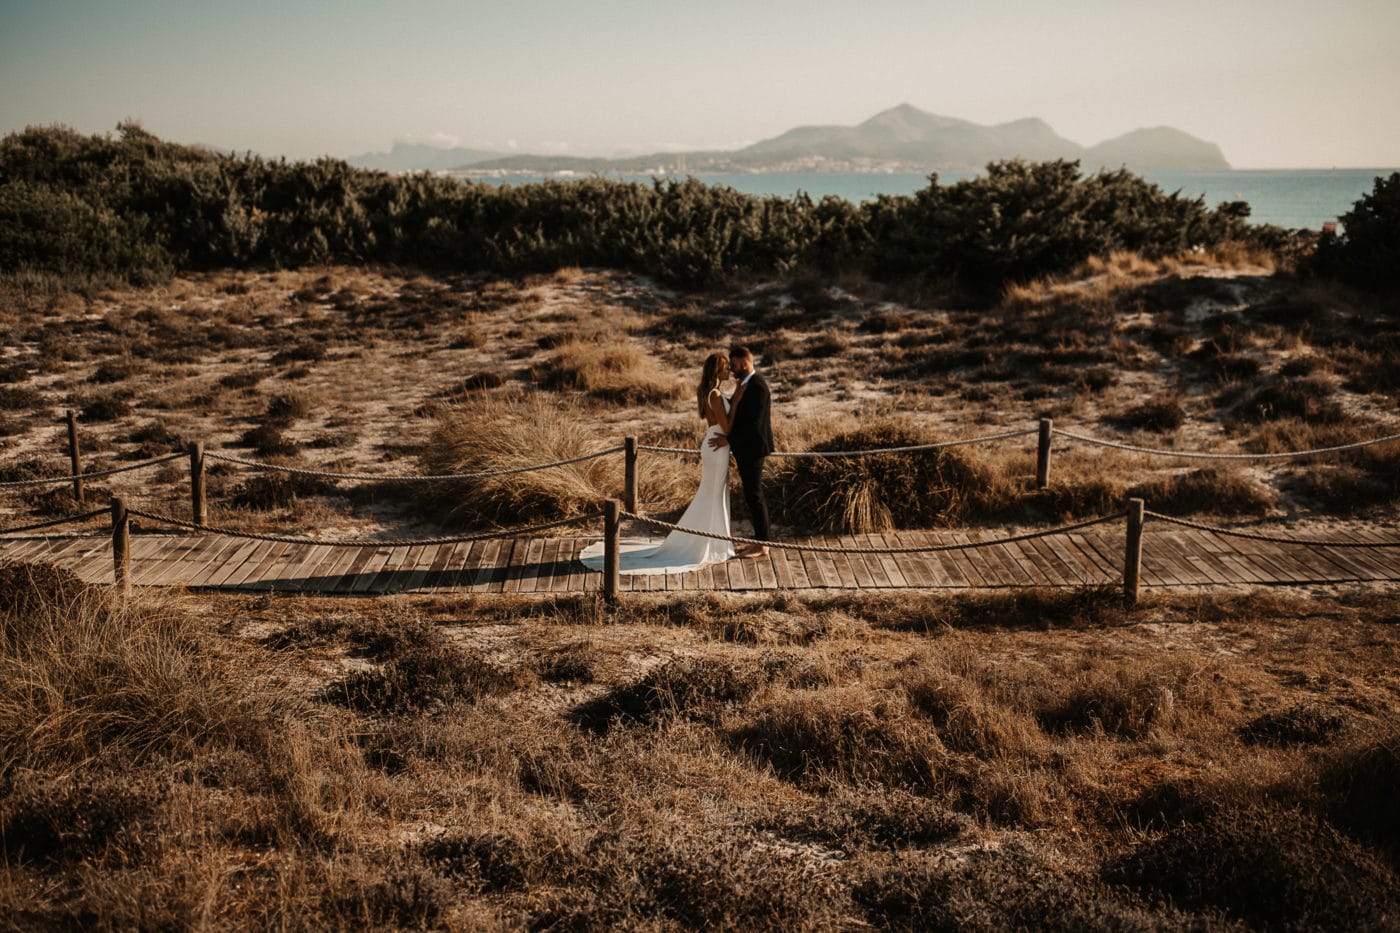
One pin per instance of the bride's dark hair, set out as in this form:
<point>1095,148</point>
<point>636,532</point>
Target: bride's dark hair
<point>709,378</point>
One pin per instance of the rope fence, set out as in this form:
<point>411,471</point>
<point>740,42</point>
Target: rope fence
<point>1205,455</point>
<point>361,542</point>
<point>53,523</point>
<point>615,511</point>
<point>53,480</point>
<point>412,477</point>
<point>1271,539</point>
<point>919,549</point>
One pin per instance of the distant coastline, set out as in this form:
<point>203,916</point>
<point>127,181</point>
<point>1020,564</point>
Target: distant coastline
<point>1293,198</point>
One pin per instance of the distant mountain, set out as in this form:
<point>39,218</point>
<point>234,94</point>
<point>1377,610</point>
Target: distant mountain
<point>901,139</point>
<point>915,139</point>
<point>416,157</point>
<point>1158,149</point>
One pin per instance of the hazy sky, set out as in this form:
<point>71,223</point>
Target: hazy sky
<point>1277,83</point>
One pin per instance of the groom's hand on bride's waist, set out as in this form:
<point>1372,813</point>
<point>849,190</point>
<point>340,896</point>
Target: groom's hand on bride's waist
<point>718,441</point>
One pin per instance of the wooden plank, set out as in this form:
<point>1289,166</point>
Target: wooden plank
<point>507,564</point>
<point>1060,552</point>
<point>428,563</point>
<point>301,575</point>
<point>767,573</point>
<point>856,563</point>
<point>891,565</point>
<point>719,575</point>
<point>846,565</point>
<point>998,565</point>
<point>879,576</point>
<point>1109,549</point>
<point>377,576</point>
<point>179,557</point>
<point>1013,569</point>
<point>210,560</point>
<point>542,569</point>
<point>1104,572</point>
<point>971,572</point>
<point>459,563</point>
<point>1342,563</point>
<point>914,566</point>
<point>419,563</point>
<point>1161,558</point>
<point>741,574</point>
<point>366,560</point>
<point>145,551</point>
<point>1210,558</point>
<point>1168,551</point>
<point>576,581</point>
<point>481,579</point>
<point>31,550</point>
<point>796,569</point>
<point>234,559</point>
<point>531,565</point>
<point>1382,563</point>
<point>1290,563</point>
<point>253,573</point>
<point>254,560</point>
<point>1224,551</point>
<point>948,563</point>
<point>333,570</point>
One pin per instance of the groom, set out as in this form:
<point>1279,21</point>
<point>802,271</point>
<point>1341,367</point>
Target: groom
<point>751,438</point>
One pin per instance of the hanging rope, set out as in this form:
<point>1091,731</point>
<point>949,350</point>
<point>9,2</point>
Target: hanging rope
<point>825,549</point>
<point>379,477</point>
<point>1202,455</point>
<point>361,542</point>
<point>65,520</point>
<point>1273,539</point>
<point>50,480</point>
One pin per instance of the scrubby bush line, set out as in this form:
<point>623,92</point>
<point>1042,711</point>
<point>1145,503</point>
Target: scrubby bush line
<point>140,208</point>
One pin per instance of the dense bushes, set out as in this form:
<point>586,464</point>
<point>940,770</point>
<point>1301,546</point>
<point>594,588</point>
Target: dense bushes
<point>1368,251</point>
<point>137,207</point>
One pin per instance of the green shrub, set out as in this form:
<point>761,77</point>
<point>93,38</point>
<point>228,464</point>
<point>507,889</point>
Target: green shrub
<point>1367,252</point>
<point>138,208</point>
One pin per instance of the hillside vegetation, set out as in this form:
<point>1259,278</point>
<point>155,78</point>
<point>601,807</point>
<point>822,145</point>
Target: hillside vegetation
<point>137,208</point>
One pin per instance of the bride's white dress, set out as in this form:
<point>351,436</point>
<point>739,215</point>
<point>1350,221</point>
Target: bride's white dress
<point>680,552</point>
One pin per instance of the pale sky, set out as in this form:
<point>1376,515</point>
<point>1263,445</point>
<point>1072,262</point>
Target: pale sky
<point>1276,83</point>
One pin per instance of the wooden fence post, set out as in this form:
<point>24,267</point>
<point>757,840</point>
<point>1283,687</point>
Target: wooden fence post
<point>74,457</point>
<point>121,546</point>
<point>612,551</point>
<point>1042,454</point>
<point>197,506</point>
<point>1132,558</point>
<point>629,484</point>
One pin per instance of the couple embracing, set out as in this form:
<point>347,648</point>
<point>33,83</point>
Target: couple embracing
<point>739,424</point>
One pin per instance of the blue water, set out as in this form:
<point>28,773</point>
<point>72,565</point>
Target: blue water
<point>1304,198</point>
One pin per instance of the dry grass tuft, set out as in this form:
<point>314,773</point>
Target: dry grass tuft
<point>1214,490</point>
<point>609,369</point>
<point>849,734</point>
<point>1265,866</point>
<point>81,677</point>
<point>1133,699</point>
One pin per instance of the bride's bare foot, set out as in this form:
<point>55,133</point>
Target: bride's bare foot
<point>751,552</point>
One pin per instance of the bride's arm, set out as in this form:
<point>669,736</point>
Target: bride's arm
<point>717,412</point>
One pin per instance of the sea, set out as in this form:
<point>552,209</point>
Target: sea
<point>1293,198</point>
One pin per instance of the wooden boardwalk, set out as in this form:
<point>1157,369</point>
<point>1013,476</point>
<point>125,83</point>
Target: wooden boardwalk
<point>1173,556</point>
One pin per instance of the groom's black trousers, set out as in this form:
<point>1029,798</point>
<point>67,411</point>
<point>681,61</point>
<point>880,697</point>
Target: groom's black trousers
<point>751,475</point>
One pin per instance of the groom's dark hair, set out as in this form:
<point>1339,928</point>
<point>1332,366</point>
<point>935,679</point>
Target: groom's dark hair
<point>740,351</point>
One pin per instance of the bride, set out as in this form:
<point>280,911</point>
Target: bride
<point>708,511</point>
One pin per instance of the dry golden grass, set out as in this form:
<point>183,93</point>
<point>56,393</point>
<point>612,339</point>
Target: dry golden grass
<point>1012,760</point>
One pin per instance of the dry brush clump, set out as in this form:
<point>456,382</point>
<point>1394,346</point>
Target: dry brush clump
<point>484,433</point>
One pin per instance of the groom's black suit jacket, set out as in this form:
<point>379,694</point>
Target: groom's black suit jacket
<point>750,434</point>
